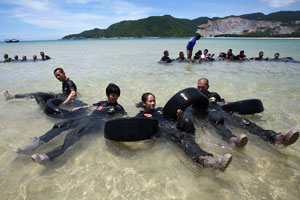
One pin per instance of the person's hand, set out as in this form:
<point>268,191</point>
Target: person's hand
<point>180,113</point>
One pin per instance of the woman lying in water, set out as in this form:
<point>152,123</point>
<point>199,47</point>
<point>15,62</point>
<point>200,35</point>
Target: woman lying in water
<point>80,126</point>
<point>183,135</point>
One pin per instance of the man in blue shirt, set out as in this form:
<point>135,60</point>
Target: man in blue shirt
<point>191,44</point>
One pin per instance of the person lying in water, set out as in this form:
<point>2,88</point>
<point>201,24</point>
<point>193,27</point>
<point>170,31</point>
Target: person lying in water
<point>69,91</point>
<point>220,117</point>
<point>44,57</point>
<point>78,127</point>
<point>183,136</point>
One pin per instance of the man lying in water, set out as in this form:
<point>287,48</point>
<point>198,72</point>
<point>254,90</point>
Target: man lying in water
<point>80,126</point>
<point>218,117</point>
<point>183,136</point>
<point>69,91</point>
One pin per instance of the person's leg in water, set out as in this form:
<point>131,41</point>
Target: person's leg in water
<point>186,141</point>
<point>69,140</point>
<point>278,139</point>
<point>57,129</point>
<point>40,97</point>
<point>217,121</point>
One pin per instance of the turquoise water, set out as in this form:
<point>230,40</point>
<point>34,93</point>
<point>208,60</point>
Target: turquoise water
<point>97,169</point>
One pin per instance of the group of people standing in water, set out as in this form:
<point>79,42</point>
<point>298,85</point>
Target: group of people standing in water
<point>179,130</point>
<point>24,58</point>
<point>200,56</point>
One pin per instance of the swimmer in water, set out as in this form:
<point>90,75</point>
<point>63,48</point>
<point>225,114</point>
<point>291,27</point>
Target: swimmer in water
<point>181,57</point>
<point>44,57</point>
<point>69,91</point>
<point>165,58</point>
<point>78,127</point>
<point>183,135</point>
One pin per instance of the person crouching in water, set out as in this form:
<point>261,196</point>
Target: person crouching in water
<point>80,126</point>
<point>183,136</point>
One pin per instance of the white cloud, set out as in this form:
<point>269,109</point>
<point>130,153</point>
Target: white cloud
<point>60,16</point>
<point>279,3</point>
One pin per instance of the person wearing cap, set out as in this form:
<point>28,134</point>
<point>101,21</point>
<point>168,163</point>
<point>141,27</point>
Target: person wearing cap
<point>191,44</point>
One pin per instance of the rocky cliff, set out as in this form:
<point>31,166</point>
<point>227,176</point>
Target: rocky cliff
<point>241,26</point>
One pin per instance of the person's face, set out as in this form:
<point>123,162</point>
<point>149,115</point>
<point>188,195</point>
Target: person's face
<point>261,54</point>
<point>229,51</point>
<point>181,55</point>
<point>202,86</point>
<point>60,76</point>
<point>205,52</point>
<point>112,98</point>
<point>5,56</point>
<point>16,57</point>
<point>34,57</point>
<point>167,53</point>
<point>42,54</point>
<point>276,56</point>
<point>149,104</point>
<point>24,58</point>
<point>241,53</point>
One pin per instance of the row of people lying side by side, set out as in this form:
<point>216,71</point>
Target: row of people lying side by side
<point>183,135</point>
<point>24,58</point>
<point>198,57</point>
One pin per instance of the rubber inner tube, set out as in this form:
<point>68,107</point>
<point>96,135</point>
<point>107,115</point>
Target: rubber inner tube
<point>244,107</point>
<point>183,99</point>
<point>130,129</point>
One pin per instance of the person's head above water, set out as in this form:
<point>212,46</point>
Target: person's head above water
<point>24,58</point>
<point>203,85</point>
<point>60,74</point>
<point>229,52</point>
<point>205,51</point>
<point>166,53</point>
<point>242,52</point>
<point>261,54</point>
<point>113,92</point>
<point>148,101</point>
<point>16,57</point>
<point>34,57</point>
<point>276,55</point>
<point>5,56</point>
<point>198,36</point>
<point>181,54</point>
<point>42,54</point>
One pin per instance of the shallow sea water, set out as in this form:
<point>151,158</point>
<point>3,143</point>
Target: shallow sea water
<point>95,168</point>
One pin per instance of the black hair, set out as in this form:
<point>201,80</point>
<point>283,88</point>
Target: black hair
<point>206,50</point>
<point>144,99</point>
<point>204,79</point>
<point>112,89</point>
<point>166,51</point>
<point>198,35</point>
<point>59,69</point>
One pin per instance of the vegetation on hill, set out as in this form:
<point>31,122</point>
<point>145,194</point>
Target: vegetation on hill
<point>168,26</point>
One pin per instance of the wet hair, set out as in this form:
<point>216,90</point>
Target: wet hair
<point>198,53</point>
<point>260,52</point>
<point>207,82</point>
<point>112,89</point>
<point>166,51</point>
<point>59,69</point>
<point>144,99</point>
<point>41,52</point>
<point>242,51</point>
<point>206,50</point>
<point>5,55</point>
<point>276,53</point>
<point>198,35</point>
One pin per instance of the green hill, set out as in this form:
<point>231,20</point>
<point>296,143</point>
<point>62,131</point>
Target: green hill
<point>168,26</point>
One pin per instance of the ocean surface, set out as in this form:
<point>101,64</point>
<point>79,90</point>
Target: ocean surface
<point>95,168</point>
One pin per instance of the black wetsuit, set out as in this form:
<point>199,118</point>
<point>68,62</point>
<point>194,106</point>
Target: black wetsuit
<point>240,57</point>
<point>42,97</point>
<point>81,126</point>
<point>165,59</point>
<point>180,132</point>
<point>46,57</point>
<point>217,117</point>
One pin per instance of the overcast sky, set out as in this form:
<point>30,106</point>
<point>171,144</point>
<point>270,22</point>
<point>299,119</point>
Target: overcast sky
<point>53,19</point>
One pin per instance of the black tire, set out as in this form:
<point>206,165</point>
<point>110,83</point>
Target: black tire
<point>244,107</point>
<point>52,108</point>
<point>131,129</point>
<point>183,99</point>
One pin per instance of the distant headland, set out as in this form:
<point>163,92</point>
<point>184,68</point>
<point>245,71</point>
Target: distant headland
<point>275,25</point>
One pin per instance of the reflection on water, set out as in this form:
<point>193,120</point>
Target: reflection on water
<point>98,169</point>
